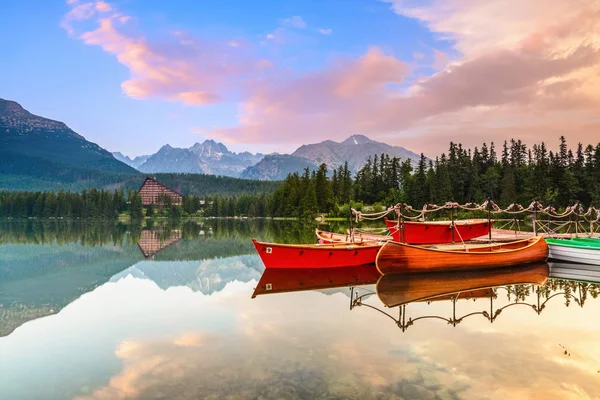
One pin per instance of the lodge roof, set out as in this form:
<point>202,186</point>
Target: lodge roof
<point>152,179</point>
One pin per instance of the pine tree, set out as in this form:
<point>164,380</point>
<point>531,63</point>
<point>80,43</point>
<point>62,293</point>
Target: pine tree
<point>135,205</point>
<point>323,189</point>
<point>509,191</point>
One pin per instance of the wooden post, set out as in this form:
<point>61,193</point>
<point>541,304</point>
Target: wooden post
<point>401,226</point>
<point>452,218</point>
<point>535,205</point>
<point>489,210</point>
<point>351,226</point>
<point>576,223</point>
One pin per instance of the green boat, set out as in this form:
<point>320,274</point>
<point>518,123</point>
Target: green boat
<point>591,241</point>
<point>576,250</point>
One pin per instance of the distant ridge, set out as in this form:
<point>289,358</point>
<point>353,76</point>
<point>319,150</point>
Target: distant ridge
<point>355,150</point>
<point>211,157</point>
<point>133,163</point>
<point>275,167</point>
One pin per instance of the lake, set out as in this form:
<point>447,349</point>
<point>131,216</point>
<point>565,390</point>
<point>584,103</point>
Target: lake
<point>105,311</point>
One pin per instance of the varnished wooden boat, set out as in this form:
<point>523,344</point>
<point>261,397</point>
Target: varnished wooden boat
<point>325,237</point>
<point>336,255</point>
<point>396,257</point>
<point>283,280</point>
<point>398,289</point>
<point>434,232</point>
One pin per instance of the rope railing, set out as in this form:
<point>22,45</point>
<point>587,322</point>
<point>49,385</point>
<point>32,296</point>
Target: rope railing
<point>591,215</point>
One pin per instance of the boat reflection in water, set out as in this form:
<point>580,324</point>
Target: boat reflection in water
<point>532,286</point>
<point>281,280</point>
<point>575,272</point>
<point>401,290</point>
<point>540,282</point>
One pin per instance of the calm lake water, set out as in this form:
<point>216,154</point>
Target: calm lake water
<point>166,312</point>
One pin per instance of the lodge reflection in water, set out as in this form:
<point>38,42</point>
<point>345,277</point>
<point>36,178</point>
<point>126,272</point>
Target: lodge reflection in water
<point>573,283</point>
<point>151,242</point>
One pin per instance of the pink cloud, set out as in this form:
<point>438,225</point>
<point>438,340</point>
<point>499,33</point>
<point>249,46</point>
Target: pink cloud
<point>198,98</point>
<point>548,65</point>
<point>178,68</point>
<point>324,31</point>
<point>440,59</point>
<point>322,104</point>
<point>83,11</point>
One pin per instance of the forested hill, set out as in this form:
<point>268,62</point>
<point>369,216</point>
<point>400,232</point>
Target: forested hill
<point>40,153</point>
<point>207,185</point>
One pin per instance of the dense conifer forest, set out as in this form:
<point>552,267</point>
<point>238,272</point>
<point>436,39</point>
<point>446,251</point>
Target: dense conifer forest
<point>514,173</point>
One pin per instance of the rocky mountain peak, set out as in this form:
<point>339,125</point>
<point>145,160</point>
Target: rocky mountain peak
<point>13,115</point>
<point>120,156</point>
<point>11,107</point>
<point>210,149</point>
<point>357,139</point>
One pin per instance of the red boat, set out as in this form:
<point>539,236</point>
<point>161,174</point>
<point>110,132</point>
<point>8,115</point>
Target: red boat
<point>283,280</point>
<point>437,232</point>
<point>275,255</point>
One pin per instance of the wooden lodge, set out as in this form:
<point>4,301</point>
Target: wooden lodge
<point>153,192</point>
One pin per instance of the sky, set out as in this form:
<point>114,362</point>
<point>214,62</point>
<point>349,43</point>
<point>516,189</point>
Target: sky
<point>266,75</point>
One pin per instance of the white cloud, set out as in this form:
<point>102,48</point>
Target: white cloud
<point>295,22</point>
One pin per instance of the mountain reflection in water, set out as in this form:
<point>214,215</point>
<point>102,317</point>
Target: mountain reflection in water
<point>182,323</point>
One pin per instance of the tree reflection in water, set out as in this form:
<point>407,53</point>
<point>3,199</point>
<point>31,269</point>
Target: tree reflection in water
<point>571,291</point>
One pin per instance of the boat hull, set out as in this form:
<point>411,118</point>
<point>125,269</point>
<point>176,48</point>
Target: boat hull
<point>394,290</point>
<point>435,232</point>
<point>400,258</point>
<point>580,255</point>
<point>275,255</point>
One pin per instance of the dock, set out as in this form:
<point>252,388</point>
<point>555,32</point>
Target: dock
<point>508,235</point>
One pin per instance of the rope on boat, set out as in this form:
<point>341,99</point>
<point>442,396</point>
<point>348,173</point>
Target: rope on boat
<point>460,237</point>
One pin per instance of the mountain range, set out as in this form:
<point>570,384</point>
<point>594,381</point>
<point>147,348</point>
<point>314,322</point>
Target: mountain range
<point>208,157</point>
<point>38,153</point>
<point>355,150</point>
<point>214,158</point>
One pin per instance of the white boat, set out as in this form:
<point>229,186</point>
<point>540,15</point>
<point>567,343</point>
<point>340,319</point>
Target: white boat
<point>575,272</point>
<point>572,251</point>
